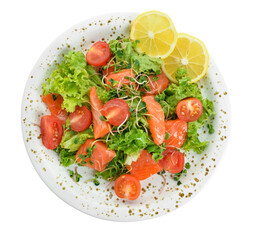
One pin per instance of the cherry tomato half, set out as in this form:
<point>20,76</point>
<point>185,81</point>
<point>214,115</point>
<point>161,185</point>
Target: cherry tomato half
<point>51,131</point>
<point>127,186</point>
<point>116,111</point>
<point>189,109</point>
<point>173,161</point>
<point>98,54</point>
<point>80,119</point>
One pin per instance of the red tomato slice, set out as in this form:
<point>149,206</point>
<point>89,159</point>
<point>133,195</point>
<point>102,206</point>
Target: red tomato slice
<point>120,78</point>
<point>98,54</point>
<point>55,106</point>
<point>127,186</point>
<point>177,130</point>
<point>145,166</point>
<point>80,119</point>
<point>116,111</point>
<point>99,158</point>
<point>189,109</point>
<point>110,68</point>
<point>100,128</point>
<point>156,121</point>
<point>51,131</point>
<point>173,161</point>
<point>159,85</point>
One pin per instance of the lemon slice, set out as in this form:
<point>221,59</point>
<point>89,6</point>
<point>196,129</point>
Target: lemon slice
<point>189,53</point>
<point>156,33</point>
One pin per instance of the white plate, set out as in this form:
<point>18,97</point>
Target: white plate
<point>101,201</point>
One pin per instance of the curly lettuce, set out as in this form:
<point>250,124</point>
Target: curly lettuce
<point>72,141</point>
<point>135,139</point>
<point>192,139</point>
<point>72,80</point>
<point>66,158</point>
<point>125,52</point>
<point>172,95</point>
<point>129,142</point>
<point>170,98</point>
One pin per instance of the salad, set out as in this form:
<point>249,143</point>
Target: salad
<point>129,108</point>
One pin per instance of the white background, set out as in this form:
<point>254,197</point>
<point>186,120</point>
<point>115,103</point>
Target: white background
<point>224,209</point>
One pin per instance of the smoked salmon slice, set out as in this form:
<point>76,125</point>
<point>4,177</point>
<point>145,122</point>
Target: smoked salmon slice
<point>54,103</point>
<point>110,68</point>
<point>145,166</point>
<point>100,128</point>
<point>156,121</point>
<point>173,161</point>
<point>157,86</point>
<point>177,130</point>
<point>99,158</point>
<point>120,78</point>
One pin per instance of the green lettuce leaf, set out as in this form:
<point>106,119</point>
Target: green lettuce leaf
<point>72,141</point>
<point>129,142</point>
<point>173,95</point>
<point>176,92</point>
<point>114,169</point>
<point>93,75</point>
<point>72,80</point>
<point>192,139</point>
<point>125,51</point>
<point>156,151</point>
<point>134,139</point>
<point>66,158</point>
<point>131,158</point>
